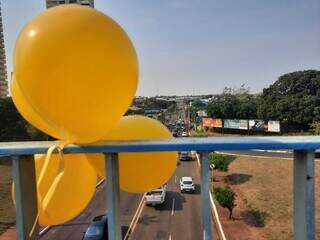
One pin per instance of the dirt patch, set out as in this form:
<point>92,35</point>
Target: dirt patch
<point>264,189</point>
<point>243,226</point>
<point>7,211</point>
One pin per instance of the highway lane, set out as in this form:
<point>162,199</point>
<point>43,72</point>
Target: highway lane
<point>180,217</point>
<point>75,228</point>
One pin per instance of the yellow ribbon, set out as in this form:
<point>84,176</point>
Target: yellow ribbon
<point>45,200</point>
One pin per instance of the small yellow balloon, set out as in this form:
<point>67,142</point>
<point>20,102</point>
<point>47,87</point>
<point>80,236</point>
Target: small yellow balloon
<point>77,69</point>
<point>64,186</point>
<point>141,172</point>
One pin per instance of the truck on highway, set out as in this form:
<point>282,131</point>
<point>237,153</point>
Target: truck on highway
<point>156,196</point>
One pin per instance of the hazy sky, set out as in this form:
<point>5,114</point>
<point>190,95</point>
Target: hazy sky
<point>199,47</point>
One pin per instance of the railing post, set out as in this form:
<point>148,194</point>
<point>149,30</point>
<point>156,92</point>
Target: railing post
<point>304,200</point>
<point>205,191</point>
<point>25,197</point>
<point>113,196</point>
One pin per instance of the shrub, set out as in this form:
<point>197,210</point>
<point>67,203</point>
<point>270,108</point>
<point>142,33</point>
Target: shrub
<point>221,162</point>
<point>259,217</point>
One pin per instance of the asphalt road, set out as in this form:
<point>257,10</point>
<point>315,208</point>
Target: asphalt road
<point>76,228</point>
<point>180,217</point>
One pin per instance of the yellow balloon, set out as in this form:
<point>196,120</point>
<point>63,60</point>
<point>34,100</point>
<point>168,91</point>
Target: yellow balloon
<point>78,71</point>
<point>64,186</point>
<point>26,110</point>
<point>141,172</point>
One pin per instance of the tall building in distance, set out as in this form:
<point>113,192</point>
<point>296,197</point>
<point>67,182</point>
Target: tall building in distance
<point>52,3</point>
<point>3,67</point>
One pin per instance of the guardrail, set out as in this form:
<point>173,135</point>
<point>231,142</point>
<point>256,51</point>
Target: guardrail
<point>303,147</point>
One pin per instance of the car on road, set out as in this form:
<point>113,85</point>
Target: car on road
<point>184,134</point>
<point>156,196</point>
<point>185,156</point>
<point>98,229</point>
<point>186,184</point>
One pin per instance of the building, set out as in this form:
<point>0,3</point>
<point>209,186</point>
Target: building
<point>3,68</point>
<point>52,3</point>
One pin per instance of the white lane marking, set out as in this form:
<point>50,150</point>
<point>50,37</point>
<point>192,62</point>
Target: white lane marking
<point>215,214</point>
<point>44,230</point>
<point>246,155</point>
<point>172,211</point>
<point>196,154</point>
<point>170,237</point>
<point>135,218</point>
<point>255,156</point>
<point>275,151</point>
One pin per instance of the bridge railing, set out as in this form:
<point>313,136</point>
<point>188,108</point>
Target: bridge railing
<point>304,198</point>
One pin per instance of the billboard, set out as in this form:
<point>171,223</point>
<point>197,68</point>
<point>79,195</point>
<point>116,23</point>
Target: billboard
<point>212,122</point>
<point>273,126</point>
<point>243,124</point>
<point>236,124</point>
<point>258,125</point>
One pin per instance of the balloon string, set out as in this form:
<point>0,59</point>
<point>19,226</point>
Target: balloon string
<point>60,148</point>
<point>34,225</point>
<point>60,173</point>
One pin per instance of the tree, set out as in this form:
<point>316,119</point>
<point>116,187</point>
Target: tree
<point>315,127</point>
<point>294,99</point>
<point>233,103</point>
<point>221,162</point>
<point>198,104</point>
<point>13,125</point>
<point>226,198</point>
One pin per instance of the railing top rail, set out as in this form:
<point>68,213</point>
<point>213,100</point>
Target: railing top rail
<point>178,144</point>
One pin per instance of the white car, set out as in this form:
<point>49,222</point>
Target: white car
<point>186,184</point>
<point>156,196</point>
<point>184,134</point>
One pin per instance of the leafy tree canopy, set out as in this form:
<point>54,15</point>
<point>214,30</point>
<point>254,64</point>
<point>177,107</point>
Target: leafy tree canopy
<point>294,99</point>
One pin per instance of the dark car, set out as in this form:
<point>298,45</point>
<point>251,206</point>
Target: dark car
<point>98,229</point>
<point>185,156</point>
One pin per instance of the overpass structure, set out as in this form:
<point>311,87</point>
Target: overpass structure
<point>304,189</point>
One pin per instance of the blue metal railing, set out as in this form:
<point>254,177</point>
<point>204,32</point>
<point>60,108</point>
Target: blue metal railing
<point>303,147</point>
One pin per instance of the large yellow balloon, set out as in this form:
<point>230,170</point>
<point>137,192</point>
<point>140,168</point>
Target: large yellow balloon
<point>141,172</point>
<point>78,71</point>
<point>64,186</point>
<point>27,112</point>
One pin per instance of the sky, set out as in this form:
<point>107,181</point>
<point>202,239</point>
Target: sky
<point>199,47</point>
